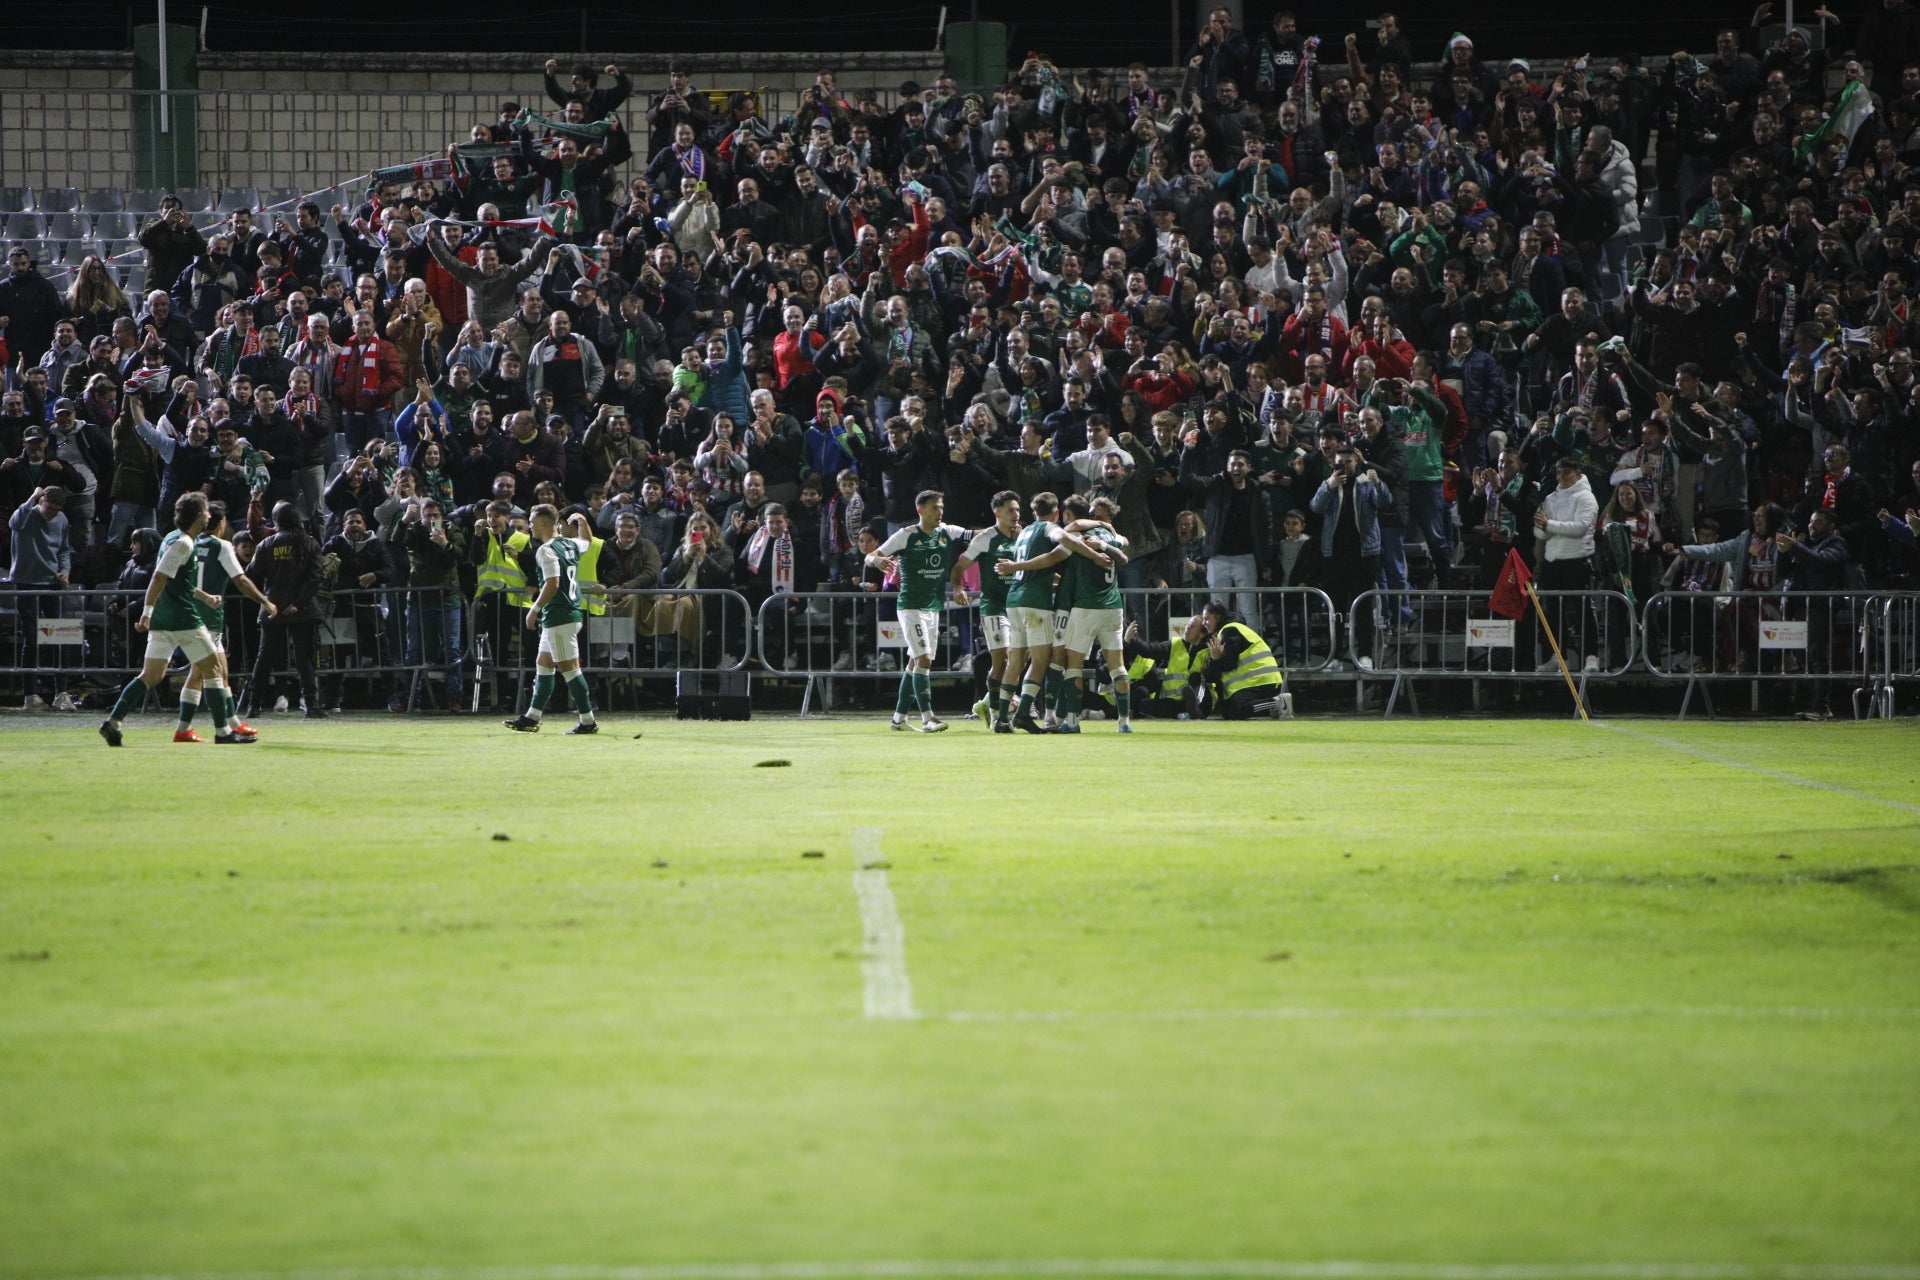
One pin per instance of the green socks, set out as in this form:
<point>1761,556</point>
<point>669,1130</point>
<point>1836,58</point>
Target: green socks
<point>582,697</point>
<point>129,698</point>
<point>542,693</point>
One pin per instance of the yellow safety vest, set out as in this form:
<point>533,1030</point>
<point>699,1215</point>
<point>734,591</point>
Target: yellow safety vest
<point>591,602</point>
<point>501,571</point>
<point>1181,663</point>
<point>1257,668</point>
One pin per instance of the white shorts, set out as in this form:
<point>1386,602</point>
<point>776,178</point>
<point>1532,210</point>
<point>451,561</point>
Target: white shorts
<point>197,644</point>
<point>1059,627</point>
<point>1094,630</point>
<point>1030,628</point>
<point>920,628</point>
<point>999,631</point>
<point>561,643</point>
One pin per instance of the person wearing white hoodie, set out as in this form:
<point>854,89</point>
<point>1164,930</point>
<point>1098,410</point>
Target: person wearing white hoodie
<point>1566,521</point>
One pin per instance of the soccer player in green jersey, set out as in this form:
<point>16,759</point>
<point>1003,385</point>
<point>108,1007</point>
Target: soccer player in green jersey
<point>557,613</point>
<point>989,547</point>
<point>1096,615</point>
<point>1040,546</point>
<point>167,616</point>
<point>923,554</point>
<point>215,566</point>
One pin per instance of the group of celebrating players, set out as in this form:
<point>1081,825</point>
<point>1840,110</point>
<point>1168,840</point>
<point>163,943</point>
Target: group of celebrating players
<point>1048,596</point>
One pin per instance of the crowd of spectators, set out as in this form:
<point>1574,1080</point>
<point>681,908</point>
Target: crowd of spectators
<point>1301,310</point>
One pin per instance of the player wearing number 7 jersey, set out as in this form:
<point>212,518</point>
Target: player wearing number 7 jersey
<point>924,554</point>
<point>557,613</point>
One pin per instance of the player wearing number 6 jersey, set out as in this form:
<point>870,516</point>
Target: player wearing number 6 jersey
<point>1096,615</point>
<point>989,547</point>
<point>557,613</point>
<point>924,555</point>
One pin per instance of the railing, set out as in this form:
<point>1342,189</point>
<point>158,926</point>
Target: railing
<point>423,648</point>
<point>1770,637</point>
<point>1406,635</point>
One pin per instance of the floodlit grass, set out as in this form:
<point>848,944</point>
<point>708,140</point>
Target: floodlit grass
<point>1436,992</point>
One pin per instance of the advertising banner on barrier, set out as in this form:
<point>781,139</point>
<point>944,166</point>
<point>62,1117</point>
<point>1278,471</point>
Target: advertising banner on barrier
<point>1490,633</point>
<point>888,635</point>
<point>1783,635</point>
<point>71,631</point>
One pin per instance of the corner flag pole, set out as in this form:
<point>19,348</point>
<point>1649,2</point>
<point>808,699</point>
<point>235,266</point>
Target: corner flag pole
<point>1579,704</point>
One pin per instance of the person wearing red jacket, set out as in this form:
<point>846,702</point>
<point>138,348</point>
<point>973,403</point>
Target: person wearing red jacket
<point>366,374</point>
<point>1392,354</point>
<point>1312,329</point>
<point>1159,380</point>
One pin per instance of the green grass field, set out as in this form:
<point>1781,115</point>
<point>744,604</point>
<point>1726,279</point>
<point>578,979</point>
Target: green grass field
<point>1482,1000</point>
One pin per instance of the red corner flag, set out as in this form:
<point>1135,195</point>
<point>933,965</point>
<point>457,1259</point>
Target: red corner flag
<point>1510,589</point>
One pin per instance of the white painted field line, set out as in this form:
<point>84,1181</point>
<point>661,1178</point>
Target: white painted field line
<point>1173,1268</point>
<point>1314,1013</point>
<point>884,962</point>
<point>1783,776</point>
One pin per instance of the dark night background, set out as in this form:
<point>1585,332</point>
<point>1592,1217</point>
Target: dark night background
<point>1124,29</point>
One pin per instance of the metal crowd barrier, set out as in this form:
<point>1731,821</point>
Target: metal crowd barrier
<point>56,639</point>
<point>1777,637</point>
<point>657,634</point>
<point>1899,650</point>
<point>1404,635</point>
<point>825,636</point>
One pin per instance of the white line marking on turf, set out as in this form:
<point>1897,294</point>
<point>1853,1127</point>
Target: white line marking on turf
<point>884,962</point>
<point>1731,763</point>
<point>1192,1269</point>
<point>1310,1013</point>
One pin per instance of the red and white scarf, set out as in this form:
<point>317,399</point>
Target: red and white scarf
<point>782,558</point>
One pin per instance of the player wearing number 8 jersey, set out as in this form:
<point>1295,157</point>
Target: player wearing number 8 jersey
<point>989,547</point>
<point>556,611</point>
<point>924,555</point>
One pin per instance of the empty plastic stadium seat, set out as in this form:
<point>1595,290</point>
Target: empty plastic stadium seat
<point>25,226</point>
<point>69,226</point>
<point>116,226</point>
<point>56,199</point>
<point>239,198</point>
<point>144,200</point>
<point>103,200</point>
<point>195,199</point>
<point>15,199</point>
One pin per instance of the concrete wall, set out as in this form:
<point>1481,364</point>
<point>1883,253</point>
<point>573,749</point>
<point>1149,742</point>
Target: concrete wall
<point>312,120</point>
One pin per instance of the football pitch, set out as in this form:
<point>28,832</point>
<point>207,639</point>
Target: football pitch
<point>802,999</point>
